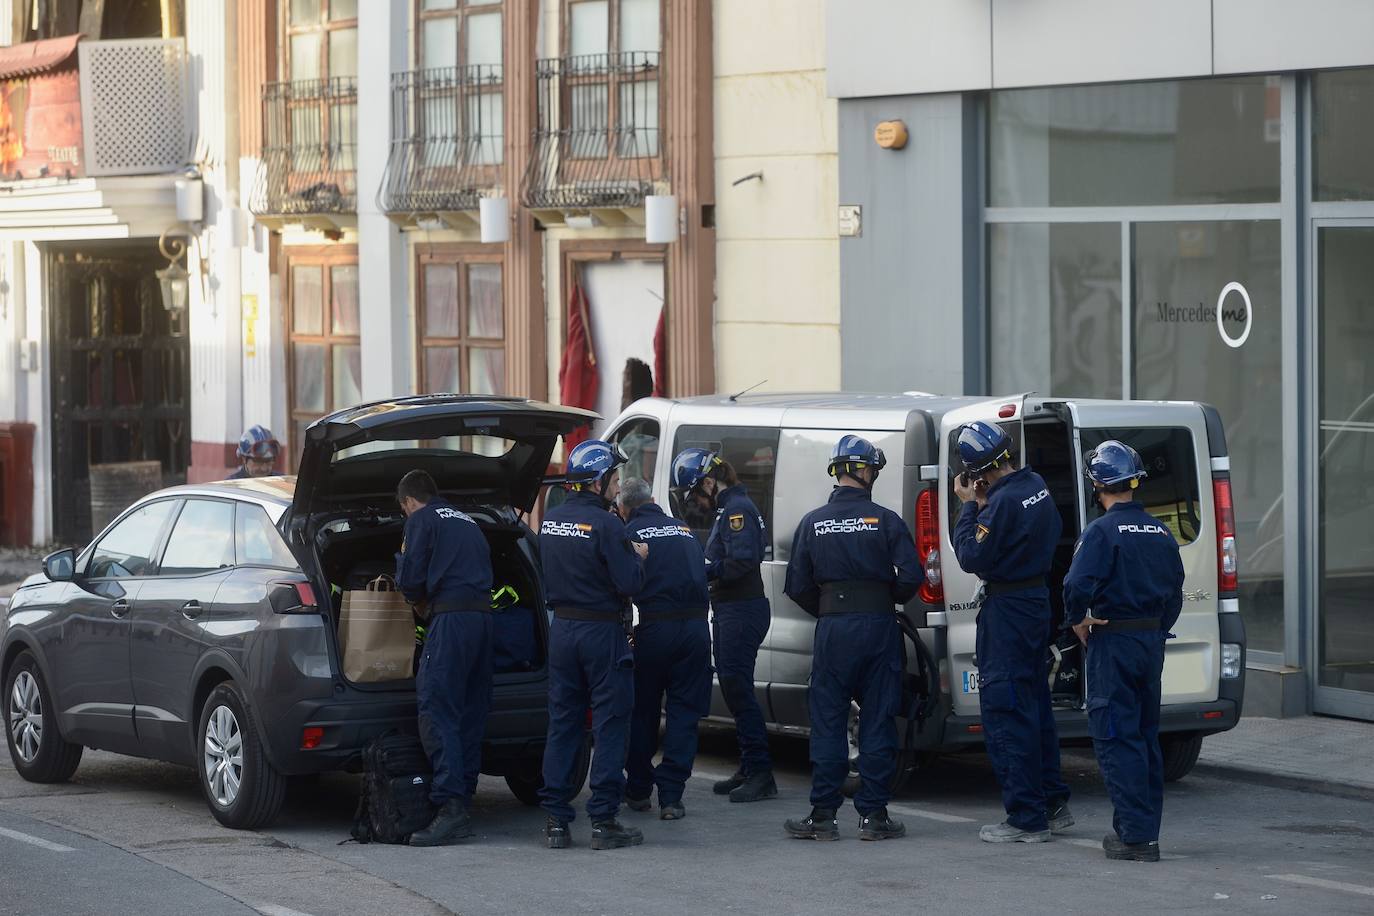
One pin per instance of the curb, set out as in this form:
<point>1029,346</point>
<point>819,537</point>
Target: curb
<point>1256,776</point>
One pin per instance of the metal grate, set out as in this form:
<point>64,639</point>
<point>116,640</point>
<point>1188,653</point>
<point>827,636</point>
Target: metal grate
<point>447,140</point>
<point>310,141</point>
<point>135,106</point>
<point>596,141</point>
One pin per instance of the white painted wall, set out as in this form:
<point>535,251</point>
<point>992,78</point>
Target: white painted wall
<point>624,299</point>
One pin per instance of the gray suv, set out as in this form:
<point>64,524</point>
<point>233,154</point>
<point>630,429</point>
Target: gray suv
<point>200,627</point>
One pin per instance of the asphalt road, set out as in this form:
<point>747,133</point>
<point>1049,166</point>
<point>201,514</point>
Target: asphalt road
<point>132,836</point>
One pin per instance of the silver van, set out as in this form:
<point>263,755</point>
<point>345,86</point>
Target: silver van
<point>780,444</point>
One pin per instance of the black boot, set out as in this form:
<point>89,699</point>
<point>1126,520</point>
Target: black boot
<point>726,786</point>
<point>671,811</point>
<point>611,834</point>
<point>818,825</point>
<point>1116,848</point>
<point>638,804</point>
<point>556,833</point>
<point>876,825</point>
<point>1059,816</point>
<point>450,825</point>
<point>756,787</point>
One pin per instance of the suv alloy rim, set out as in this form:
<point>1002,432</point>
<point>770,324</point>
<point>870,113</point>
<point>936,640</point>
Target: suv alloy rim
<point>26,716</point>
<point>223,756</point>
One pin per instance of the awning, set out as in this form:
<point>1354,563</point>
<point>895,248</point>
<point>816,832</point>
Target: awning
<point>36,56</point>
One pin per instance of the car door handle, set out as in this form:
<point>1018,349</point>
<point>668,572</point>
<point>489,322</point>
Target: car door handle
<point>120,608</point>
<point>191,609</point>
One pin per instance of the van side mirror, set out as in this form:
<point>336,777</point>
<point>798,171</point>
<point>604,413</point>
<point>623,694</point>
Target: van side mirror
<point>60,566</point>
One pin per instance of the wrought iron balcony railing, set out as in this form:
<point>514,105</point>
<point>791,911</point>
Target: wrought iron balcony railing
<point>310,139</point>
<point>596,141</point>
<point>447,139</point>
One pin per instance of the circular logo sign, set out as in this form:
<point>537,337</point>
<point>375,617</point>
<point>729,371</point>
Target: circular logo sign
<point>1235,342</point>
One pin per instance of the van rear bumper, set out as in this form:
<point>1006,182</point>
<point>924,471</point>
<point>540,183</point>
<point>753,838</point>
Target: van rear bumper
<point>1203,718</point>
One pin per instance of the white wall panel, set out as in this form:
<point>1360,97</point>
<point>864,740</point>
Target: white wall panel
<point>892,47</point>
<point>1271,35</point>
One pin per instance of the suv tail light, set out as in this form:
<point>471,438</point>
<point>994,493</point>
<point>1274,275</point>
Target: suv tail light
<point>292,598</point>
<point>1227,579</point>
<point>932,590</point>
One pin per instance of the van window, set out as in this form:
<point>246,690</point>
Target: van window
<point>638,439</point>
<point>752,452</point>
<point>1170,491</point>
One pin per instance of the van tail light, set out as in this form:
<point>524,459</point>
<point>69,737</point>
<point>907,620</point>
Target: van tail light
<point>1227,578</point>
<point>932,590</point>
<point>292,598</point>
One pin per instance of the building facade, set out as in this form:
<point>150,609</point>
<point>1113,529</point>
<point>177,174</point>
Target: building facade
<point>1171,200</point>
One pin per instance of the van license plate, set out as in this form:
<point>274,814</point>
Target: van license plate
<point>970,682</point>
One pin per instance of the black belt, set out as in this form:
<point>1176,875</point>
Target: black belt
<point>993,589</point>
<point>686,613</point>
<point>857,596</point>
<point>581,613</point>
<point>742,589</point>
<point>458,607</point>
<point>1130,625</point>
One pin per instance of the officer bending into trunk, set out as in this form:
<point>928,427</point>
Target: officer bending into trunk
<point>1006,535</point>
<point>852,560</point>
<point>742,615</point>
<point>591,569</point>
<point>672,653</point>
<point>445,564</point>
<point>1122,594</point>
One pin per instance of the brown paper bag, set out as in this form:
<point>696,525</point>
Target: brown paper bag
<point>377,632</point>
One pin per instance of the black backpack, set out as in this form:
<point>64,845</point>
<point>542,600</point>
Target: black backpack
<point>395,797</point>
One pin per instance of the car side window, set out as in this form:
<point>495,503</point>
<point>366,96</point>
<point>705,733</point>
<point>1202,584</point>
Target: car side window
<point>257,542</point>
<point>752,452</point>
<point>127,550</point>
<point>1169,492</point>
<point>202,539</point>
<point>638,439</point>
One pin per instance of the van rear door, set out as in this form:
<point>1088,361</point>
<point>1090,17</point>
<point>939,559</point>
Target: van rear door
<point>961,588</point>
<point>1171,438</point>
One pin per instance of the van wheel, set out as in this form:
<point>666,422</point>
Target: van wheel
<point>525,780</point>
<point>908,761</point>
<point>1180,754</point>
<point>37,748</point>
<point>240,785</point>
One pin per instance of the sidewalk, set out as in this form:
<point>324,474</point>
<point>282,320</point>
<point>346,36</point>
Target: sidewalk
<point>1315,750</point>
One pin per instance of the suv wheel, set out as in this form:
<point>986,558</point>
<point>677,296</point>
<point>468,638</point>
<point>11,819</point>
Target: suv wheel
<point>525,780</point>
<point>1180,754</point>
<point>240,785</point>
<point>37,748</point>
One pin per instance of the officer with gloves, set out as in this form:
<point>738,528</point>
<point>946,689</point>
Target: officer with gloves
<point>445,564</point>
<point>591,569</point>
<point>1006,535</point>
<point>852,561</point>
<point>1123,593</point>
<point>734,552</point>
<point>672,653</point>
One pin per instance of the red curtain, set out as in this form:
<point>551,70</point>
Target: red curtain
<point>577,375</point>
<point>661,354</point>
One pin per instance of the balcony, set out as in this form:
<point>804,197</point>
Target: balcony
<point>310,140</point>
<point>447,144</point>
<point>597,141</point>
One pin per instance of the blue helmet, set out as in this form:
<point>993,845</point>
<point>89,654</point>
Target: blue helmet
<point>982,445</point>
<point>1113,462</point>
<point>853,452</point>
<point>691,467</point>
<point>592,460</point>
<point>258,442</point>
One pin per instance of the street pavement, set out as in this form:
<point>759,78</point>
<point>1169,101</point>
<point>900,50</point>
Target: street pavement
<point>130,835</point>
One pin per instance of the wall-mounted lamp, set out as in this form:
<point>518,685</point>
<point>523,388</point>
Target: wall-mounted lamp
<point>494,219</point>
<point>174,280</point>
<point>660,219</point>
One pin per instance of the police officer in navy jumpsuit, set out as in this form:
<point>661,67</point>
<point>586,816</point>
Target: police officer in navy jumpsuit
<point>852,561</point>
<point>591,570</point>
<point>1006,535</point>
<point>445,563</point>
<point>672,653</point>
<point>1123,593</point>
<point>734,553</point>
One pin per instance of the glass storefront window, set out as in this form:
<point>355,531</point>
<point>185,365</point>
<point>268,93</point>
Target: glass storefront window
<point>1054,292</point>
<point>1201,141</point>
<point>1343,135</point>
<point>1179,270</point>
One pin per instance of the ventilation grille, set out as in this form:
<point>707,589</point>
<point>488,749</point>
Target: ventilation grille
<point>135,115</point>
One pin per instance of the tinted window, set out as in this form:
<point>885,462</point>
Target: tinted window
<point>128,549</point>
<point>638,439</point>
<point>753,452</point>
<point>202,539</point>
<point>1342,133</point>
<point>257,542</point>
<point>1170,492</point>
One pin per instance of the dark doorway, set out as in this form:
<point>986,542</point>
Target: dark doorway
<point>121,374</point>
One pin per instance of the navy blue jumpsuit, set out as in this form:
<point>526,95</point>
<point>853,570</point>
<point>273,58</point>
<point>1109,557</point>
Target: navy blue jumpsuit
<point>590,572</point>
<point>852,560</point>
<point>445,562</point>
<point>1010,541</point>
<point>1126,567</point>
<point>672,655</point>
<point>741,617</point>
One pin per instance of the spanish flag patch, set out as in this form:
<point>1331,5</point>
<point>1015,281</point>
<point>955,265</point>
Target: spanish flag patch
<point>582,526</point>
<point>981,534</point>
<point>737,522</point>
